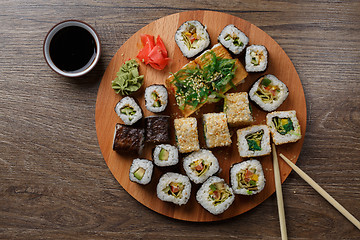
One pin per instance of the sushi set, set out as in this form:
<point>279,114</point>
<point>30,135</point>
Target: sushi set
<point>190,139</point>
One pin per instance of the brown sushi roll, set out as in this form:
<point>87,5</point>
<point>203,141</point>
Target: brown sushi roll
<point>128,139</point>
<point>157,129</point>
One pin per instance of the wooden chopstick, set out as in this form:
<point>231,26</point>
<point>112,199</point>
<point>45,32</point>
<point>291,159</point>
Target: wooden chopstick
<point>279,195</point>
<point>322,192</point>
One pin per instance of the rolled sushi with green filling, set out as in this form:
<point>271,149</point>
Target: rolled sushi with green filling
<point>268,92</point>
<point>174,187</point>
<point>192,38</point>
<point>233,39</point>
<point>156,98</point>
<point>215,195</point>
<point>256,58</point>
<point>128,110</point>
<point>200,165</point>
<point>247,178</point>
<point>254,141</point>
<point>284,126</point>
<point>141,171</point>
<point>165,155</point>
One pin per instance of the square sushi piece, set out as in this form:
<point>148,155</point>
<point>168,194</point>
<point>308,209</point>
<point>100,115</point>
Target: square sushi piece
<point>284,126</point>
<point>256,58</point>
<point>165,155</point>
<point>186,134</point>
<point>174,187</point>
<point>254,141</point>
<point>200,165</point>
<point>238,109</point>
<point>141,171</point>
<point>233,39</point>
<point>157,129</point>
<point>216,130</point>
<point>247,178</point>
<point>128,139</point>
<point>215,195</point>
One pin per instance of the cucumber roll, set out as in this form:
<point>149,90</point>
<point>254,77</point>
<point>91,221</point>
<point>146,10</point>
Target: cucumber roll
<point>268,92</point>
<point>215,195</point>
<point>254,141</point>
<point>141,171</point>
<point>192,38</point>
<point>247,178</point>
<point>200,165</point>
<point>156,98</point>
<point>128,110</point>
<point>165,155</point>
<point>256,58</point>
<point>174,187</point>
<point>233,39</point>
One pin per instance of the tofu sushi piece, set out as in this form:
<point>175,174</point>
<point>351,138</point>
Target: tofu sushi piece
<point>192,38</point>
<point>215,195</point>
<point>128,139</point>
<point>165,155</point>
<point>157,129</point>
<point>200,165</point>
<point>186,134</point>
<point>156,98</point>
<point>128,110</point>
<point>268,92</point>
<point>256,58</point>
<point>284,126</point>
<point>141,171</point>
<point>254,141</point>
<point>233,39</point>
<point>174,187</point>
<point>216,131</point>
<point>237,109</point>
<point>247,178</point>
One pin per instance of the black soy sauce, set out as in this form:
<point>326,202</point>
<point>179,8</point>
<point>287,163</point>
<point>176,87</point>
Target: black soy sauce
<point>72,49</point>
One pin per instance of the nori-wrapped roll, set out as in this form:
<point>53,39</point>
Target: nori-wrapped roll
<point>157,129</point>
<point>128,139</point>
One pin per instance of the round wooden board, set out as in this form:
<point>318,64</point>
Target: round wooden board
<point>106,118</point>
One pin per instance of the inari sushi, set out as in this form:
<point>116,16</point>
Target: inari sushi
<point>200,165</point>
<point>216,131</point>
<point>233,39</point>
<point>256,58</point>
<point>247,178</point>
<point>157,129</point>
<point>165,155</point>
<point>128,110</point>
<point>156,98</point>
<point>186,134</point>
<point>141,171</point>
<point>284,126</point>
<point>192,38</point>
<point>128,139</point>
<point>174,187</point>
<point>268,92</point>
<point>254,141</point>
<point>215,195</point>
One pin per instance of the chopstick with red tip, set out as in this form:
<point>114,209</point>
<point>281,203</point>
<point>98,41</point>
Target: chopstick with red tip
<point>322,192</point>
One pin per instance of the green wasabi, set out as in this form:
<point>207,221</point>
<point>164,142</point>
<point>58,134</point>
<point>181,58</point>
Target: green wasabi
<point>128,80</point>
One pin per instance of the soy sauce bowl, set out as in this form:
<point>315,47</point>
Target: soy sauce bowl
<point>72,48</point>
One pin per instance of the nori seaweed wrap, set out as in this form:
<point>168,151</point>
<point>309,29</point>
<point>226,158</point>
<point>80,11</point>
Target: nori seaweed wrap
<point>128,139</point>
<point>157,129</point>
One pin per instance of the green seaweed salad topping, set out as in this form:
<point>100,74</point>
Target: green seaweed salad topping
<point>128,80</point>
<point>196,86</point>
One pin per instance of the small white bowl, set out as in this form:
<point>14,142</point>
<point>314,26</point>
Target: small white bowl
<point>57,28</point>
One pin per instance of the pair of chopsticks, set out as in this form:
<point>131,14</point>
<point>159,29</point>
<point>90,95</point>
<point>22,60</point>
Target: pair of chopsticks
<point>312,183</point>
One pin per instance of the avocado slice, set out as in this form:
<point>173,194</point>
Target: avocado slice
<point>164,154</point>
<point>139,173</point>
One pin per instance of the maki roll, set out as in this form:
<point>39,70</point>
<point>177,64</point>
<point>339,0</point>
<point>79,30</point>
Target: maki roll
<point>157,129</point>
<point>233,39</point>
<point>237,108</point>
<point>268,92</point>
<point>128,110</point>
<point>215,195</point>
<point>156,98</point>
<point>256,58</point>
<point>200,165</point>
<point>247,178</point>
<point>165,155</point>
<point>141,171</point>
<point>128,139</point>
<point>174,187</point>
<point>192,38</point>
<point>254,141</point>
<point>284,126</point>
<point>186,135</point>
<point>216,131</point>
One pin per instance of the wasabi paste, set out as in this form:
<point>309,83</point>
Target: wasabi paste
<point>127,79</point>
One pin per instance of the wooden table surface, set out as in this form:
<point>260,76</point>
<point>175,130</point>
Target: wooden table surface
<point>54,182</point>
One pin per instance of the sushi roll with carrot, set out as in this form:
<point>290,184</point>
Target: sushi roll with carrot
<point>256,58</point>
<point>233,39</point>
<point>174,187</point>
<point>254,141</point>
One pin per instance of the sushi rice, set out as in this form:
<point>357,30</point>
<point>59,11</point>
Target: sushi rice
<point>156,98</point>
<point>128,110</point>
<point>174,187</point>
<point>233,39</point>
<point>141,171</point>
<point>165,155</point>
<point>254,141</point>
<point>256,58</point>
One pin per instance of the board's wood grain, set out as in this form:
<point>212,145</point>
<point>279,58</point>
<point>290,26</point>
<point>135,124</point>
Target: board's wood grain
<point>105,117</point>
